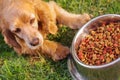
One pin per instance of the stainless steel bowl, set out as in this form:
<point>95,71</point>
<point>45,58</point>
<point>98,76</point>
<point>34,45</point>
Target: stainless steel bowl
<point>81,71</point>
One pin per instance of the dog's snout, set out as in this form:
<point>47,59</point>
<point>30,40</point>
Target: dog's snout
<point>35,42</point>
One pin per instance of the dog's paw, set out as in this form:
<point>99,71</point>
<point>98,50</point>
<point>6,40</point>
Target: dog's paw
<point>80,20</point>
<point>61,53</point>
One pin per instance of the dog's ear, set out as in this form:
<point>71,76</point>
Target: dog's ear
<point>9,38</point>
<point>47,27</point>
<point>52,28</point>
<point>46,20</point>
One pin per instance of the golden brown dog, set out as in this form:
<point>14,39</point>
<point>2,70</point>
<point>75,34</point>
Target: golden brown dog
<point>25,24</point>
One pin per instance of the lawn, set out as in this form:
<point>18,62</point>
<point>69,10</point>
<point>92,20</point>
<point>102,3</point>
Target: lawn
<point>14,67</point>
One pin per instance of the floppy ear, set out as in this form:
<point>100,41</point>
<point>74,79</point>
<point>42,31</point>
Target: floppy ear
<point>46,19</point>
<point>10,39</point>
<point>52,28</point>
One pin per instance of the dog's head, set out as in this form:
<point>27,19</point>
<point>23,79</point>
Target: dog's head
<point>19,19</point>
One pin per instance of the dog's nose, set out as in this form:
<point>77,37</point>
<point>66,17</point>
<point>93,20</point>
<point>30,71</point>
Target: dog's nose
<point>35,42</point>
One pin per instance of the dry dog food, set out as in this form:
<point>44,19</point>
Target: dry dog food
<point>101,46</point>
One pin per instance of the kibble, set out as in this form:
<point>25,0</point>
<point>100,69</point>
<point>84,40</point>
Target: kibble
<point>101,46</point>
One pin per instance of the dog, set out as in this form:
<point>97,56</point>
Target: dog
<point>25,25</point>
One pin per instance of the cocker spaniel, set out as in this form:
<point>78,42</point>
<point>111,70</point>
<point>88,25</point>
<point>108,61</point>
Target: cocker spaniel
<point>26,23</point>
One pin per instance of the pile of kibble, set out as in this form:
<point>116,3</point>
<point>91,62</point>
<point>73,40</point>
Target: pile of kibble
<point>101,46</point>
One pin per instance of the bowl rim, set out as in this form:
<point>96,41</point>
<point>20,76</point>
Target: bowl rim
<point>74,55</point>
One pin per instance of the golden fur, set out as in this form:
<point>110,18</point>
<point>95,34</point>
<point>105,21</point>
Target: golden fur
<point>26,23</point>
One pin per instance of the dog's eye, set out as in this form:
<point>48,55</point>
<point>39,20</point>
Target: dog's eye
<point>17,30</point>
<point>32,20</point>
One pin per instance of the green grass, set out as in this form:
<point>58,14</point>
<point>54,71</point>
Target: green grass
<point>14,67</point>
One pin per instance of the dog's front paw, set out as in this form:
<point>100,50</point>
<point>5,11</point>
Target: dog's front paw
<point>80,20</point>
<point>60,53</point>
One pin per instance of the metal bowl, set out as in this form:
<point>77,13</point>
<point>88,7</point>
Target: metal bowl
<point>81,71</point>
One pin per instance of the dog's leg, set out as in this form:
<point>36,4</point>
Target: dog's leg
<point>72,20</point>
<point>55,50</point>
